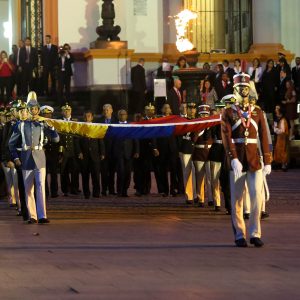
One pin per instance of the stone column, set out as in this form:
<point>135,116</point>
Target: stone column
<point>219,24</point>
<point>269,36</point>
<point>266,21</point>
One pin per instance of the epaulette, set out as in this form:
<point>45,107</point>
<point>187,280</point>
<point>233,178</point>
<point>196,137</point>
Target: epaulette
<point>257,106</point>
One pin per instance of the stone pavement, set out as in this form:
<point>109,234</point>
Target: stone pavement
<point>150,248</point>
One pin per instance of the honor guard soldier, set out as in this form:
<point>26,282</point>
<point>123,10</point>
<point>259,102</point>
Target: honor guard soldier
<point>203,143</point>
<point>8,165</point>
<point>216,157</point>
<point>32,133</point>
<point>243,126</point>
<point>67,157</point>
<point>225,102</point>
<point>20,113</point>
<point>186,148</point>
<point>51,152</point>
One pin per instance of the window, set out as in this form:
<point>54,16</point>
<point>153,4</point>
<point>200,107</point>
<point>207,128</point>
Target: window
<point>221,24</point>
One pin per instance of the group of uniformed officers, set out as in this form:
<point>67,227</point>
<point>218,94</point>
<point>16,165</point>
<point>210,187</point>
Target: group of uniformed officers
<point>198,162</point>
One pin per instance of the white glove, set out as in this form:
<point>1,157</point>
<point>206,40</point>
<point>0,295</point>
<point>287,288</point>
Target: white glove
<point>237,168</point>
<point>267,170</point>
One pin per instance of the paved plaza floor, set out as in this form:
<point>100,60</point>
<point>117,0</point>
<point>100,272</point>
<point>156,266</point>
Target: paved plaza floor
<point>150,248</point>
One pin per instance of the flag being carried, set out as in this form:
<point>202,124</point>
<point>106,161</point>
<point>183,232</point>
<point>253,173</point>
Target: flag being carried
<point>155,128</point>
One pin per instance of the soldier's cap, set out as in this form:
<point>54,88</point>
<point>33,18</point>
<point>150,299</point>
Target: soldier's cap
<point>46,109</point>
<point>150,107</point>
<point>281,54</point>
<point>191,105</point>
<point>13,104</point>
<point>228,99</point>
<point>21,105</point>
<point>204,109</point>
<point>241,79</point>
<point>32,100</point>
<point>66,107</point>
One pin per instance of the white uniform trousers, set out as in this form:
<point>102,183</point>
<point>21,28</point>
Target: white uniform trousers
<point>203,178</point>
<point>215,170</point>
<point>247,202</point>
<point>35,179</point>
<point>188,171</point>
<point>237,186</point>
<point>11,178</point>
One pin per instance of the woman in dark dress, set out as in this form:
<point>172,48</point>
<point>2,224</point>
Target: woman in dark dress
<point>269,87</point>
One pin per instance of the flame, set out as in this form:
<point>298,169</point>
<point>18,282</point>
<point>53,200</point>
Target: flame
<point>181,22</point>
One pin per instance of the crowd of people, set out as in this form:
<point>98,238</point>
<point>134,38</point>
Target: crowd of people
<point>24,70</point>
<point>276,85</point>
<point>195,164</point>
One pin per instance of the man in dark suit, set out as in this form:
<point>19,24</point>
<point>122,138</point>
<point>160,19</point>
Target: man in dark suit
<point>139,89</point>
<point>15,59</point>
<point>168,155</point>
<point>108,165</point>
<point>296,77</point>
<point>65,72</point>
<point>174,97</point>
<point>49,64</point>
<point>68,157</point>
<point>91,153</point>
<point>227,69</point>
<point>124,151</point>
<point>28,59</point>
<point>223,86</point>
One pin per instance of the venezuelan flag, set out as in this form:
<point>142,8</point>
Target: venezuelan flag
<point>155,128</point>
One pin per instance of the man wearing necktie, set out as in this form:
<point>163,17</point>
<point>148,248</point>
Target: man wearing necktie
<point>28,60</point>
<point>174,98</point>
<point>49,65</point>
<point>108,164</point>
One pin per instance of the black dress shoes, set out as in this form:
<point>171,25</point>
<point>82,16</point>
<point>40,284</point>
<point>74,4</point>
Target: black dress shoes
<point>257,242</point>
<point>217,208</point>
<point>201,204</point>
<point>32,221</point>
<point>54,196</point>
<point>138,194</point>
<point>189,202</point>
<point>210,203</point>
<point>264,215</point>
<point>44,221</point>
<point>241,243</point>
<point>246,216</point>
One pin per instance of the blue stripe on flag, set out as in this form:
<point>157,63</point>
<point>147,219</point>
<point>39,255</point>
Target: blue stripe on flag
<point>140,132</point>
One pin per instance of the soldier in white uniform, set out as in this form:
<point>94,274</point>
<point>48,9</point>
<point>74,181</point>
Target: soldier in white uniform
<point>30,135</point>
<point>243,126</point>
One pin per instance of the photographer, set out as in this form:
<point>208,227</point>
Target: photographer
<point>6,78</point>
<point>65,72</point>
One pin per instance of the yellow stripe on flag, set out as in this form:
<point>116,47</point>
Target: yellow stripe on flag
<point>90,130</point>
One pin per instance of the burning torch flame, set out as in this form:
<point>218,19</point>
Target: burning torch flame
<point>181,23</point>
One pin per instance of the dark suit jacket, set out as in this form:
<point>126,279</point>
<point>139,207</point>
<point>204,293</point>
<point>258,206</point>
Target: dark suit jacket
<point>296,78</point>
<point>125,148</point>
<point>230,72</point>
<point>138,79</point>
<point>91,148</point>
<point>49,58</point>
<point>108,142</point>
<point>33,58</point>
<point>221,91</point>
<point>68,65</point>
<point>174,101</point>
